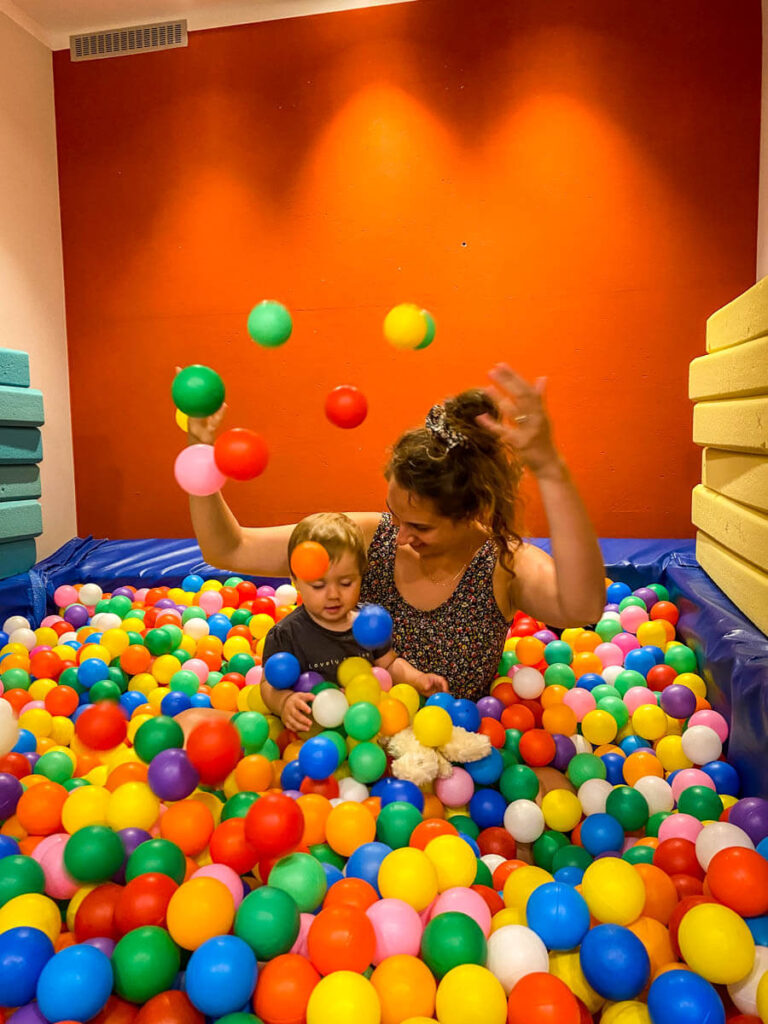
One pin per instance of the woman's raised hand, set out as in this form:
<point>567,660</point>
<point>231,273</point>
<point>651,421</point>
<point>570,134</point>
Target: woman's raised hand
<point>204,431</point>
<point>525,424</point>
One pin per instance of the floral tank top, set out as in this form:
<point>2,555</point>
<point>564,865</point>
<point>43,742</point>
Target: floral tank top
<point>462,639</point>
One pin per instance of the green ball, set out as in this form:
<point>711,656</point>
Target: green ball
<point>512,741</point>
<point>682,659</point>
<point>69,678</point>
<point>303,878</point>
<point>159,733</point>
<point>157,855</point>
<point>607,629</point>
<point>323,853</point>
<point>241,663</point>
<point>508,659</point>
<point>571,856</point>
<point>615,707</point>
<point>70,784</point>
<point>93,853</point>
<point>268,920</point>
<point>118,676</point>
<point>238,805</point>
<point>628,806</point>
<point>158,641</point>
<point>519,782</point>
<point>55,765</point>
<point>16,679</point>
<point>654,822</point>
<point>558,652</point>
<point>145,962</point>
<point>239,1018</point>
<point>241,617</point>
<point>483,874</point>
<point>133,637</point>
<point>269,324</point>
<point>120,605</point>
<point>19,875</point>
<point>628,678</point>
<point>583,767</point>
<point>105,689</point>
<point>181,654</point>
<point>700,801</point>
<point>192,612</point>
<point>560,674</point>
<point>450,940</point>
<point>546,846</point>
<point>198,391</point>
<point>396,822</point>
<point>661,592</point>
<point>270,750</point>
<point>233,581</point>
<point>337,739</point>
<point>175,633</point>
<point>367,762</point>
<point>253,729</point>
<point>184,681</point>
<point>638,855</point>
<point>213,678</point>
<point>464,824</point>
<point>631,601</point>
<point>429,337</point>
<point>509,757</point>
<point>362,721</point>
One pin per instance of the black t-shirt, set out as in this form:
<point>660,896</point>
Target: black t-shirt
<point>317,648</point>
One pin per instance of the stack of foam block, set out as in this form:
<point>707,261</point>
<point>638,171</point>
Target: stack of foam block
<point>21,449</point>
<point>730,421</point>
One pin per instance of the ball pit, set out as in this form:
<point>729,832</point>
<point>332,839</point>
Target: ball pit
<point>594,865</point>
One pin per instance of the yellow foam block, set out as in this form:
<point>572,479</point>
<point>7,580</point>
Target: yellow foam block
<point>730,373</point>
<point>736,527</point>
<point>740,424</point>
<point>737,475</point>
<point>745,585</point>
<point>741,320</point>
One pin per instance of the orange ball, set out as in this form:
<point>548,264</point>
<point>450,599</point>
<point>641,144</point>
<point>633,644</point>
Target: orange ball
<point>130,771</point>
<point>254,773</point>
<point>586,641</point>
<point>433,806</point>
<point>552,694</point>
<point>351,892</point>
<point>529,650</point>
<point>61,700</point>
<point>348,826</point>
<point>559,719</point>
<point>661,896</point>
<point>39,808</point>
<point>394,716</point>
<point>430,829</point>
<point>309,561</point>
<point>284,987</point>
<point>224,696</point>
<point>655,937</point>
<point>639,764</point>
<point>135,659</point>
<point>315,809</point>
<point>406,988</point>
<point>585,662</point>
<point>188,824</point>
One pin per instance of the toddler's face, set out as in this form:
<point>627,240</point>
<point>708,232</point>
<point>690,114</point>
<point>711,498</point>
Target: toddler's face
<point>331,599</point>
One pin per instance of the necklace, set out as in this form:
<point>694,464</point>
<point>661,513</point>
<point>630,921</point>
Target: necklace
<point>452,579</point>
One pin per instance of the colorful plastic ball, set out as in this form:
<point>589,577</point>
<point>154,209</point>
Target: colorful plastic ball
<point>614,891</point>
<point>172,776</point>
<point>701,744</point>
<point>268,920</point>
<point>601,833</point>
<point>74,984</point>
<point>196,471</point>
<point>274,825</point>
<point>457,789</point>
<point>561,809</point>
<point>372,627</point>
<point>406,326</point>
<point>464,714</point>
<point>156,855</point>
<point>397,928</point>
<point>451,939</point>
<point>453,860</point>
<point>240,454</point>
<point>524,821</point>
<point>221,975</point>
<point>705,931</point>
<point>93,854</point>
<point>214,749</point>
<point>470,994</point>
<point>282,670</point>
<point>270,324</point>
<point>682,997</point>
<point>346,407</point>
<point>344,997</point>
<point>302,876</point>
<point>751,815</point>
<point>628,806</point>
<point>615,962</point>
<point>738,878</point>
<point>341,938</point>
<point>24,952</point>
<point>145,963</point>
<point>408,874</point>
<point>718,836</point>
<point>432,726</point>
<point>487,808</point>
<point>513,952</point>
<point>283,990</point>
<point>318,758</point>
<point>406,989</point>
<point>367,762</point>
<point>558,915</point>
<point>540,998</point>
<point>198,391</point>
<point>309,561</point>
<point>198,910</point>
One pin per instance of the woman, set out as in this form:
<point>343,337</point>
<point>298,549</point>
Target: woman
<point>445,559</point>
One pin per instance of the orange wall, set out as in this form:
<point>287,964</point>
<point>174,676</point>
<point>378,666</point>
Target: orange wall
<point>569,187</point>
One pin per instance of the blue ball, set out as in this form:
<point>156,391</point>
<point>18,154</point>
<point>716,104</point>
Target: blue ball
<point>589,681</point>
<point>219,625</point>
<point>26,742</point>
<point>372,627</point>
<point>92,670</point>
<point>132,699</point>
<point>569,875</point>
<point>192,583</point>
<point>332,874</point>
<point>655,652</point>
<point>487,807</point>
<point>366,861</point>
<point>758,925</point>
<point>174,702</point>
<point>682,997</point>
<point>24,952</point>
<point>558,914</point>
<point>464,713</point>
<point>441,700</point>
<point>615,962</point>
<point>601,833</point>
<point>471,843</point>
<point>724,776</point>
<point>318,757</point>
<point>639,660</point>
<point>616,593</point>
<point>487,770</point>
<point>632,743</point>
<point>291,777</point>
<point>282,670</point>
<point>200,700</point>
<point>389,790</point>
<point>8,847</point>
<point>614,768</point>
<point>762,847</point>
<point>221,975</point>
<point>75,984</point>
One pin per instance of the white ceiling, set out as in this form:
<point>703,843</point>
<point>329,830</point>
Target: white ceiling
<point>53,21</point>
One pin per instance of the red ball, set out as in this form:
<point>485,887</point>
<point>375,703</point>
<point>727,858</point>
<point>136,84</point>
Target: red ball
<point>537,747</point>
<point>329,788</point>
<point>739,878</point>
<point>660,677</point>
<point>678,857</point>
<point>351,892</point>
<point>493,900</point>
<point>494,730</point>
<point>263,606</point>
<point>102,726</point>
<point>341,938</point>
<point>346,407</point>
<point>214,749</point>
<point>274,825</point>
<point>541,998</point>
<point>496,839</point>
<point>61,700</point>
<point>283,990</point>
<point>518,716</point>
<point>679,913</point>
<point>229,845</point>
<point>15,764</point>
<point>96,914</point>
<point>46,665</point>
<point>144,901</point>
<point>687,885</point>
<point>247,590</point>
<point>170,1007</point>
<point>240,454</point>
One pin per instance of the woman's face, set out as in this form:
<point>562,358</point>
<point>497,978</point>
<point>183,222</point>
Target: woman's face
<point>420,525</point>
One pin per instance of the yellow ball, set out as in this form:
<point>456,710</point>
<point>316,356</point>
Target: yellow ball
<point>650,722</point>
<point>164,667</point>
<point>669,751</point>
<point>260,625</point>
<point>509,915</point>
<point>453,860</point>
<point>38,721</point>
<point>133,805</point>
<point>352,667</point>
<point>155,697</point>
<point>115,641</point>
<point>98,651</point>
<point>235,645</point>
<point>654,634</point>
<point>136,723</point>
<point>568,636</point>
<point>199,910</point>
<point>364,687</point>
<point>599,727</point>
<point>46,636</point>
<point>521,883</point>
<point>97,776</point>
<point>31,910</point>
<point>344,997</point>
<point>134,625</point>
<point>211,585</point>
<point>567,967</point>
<point>693,682</point>
<point>470,994</point>
<point>405,326</point>
<point>85,806</point>
<point>406,695</point>
<point>716,943</point>
<point>74,905</point>
<point>614,891</point>
<point>762,998</point>
<point>628,1012</point>
<point>182,420</point>
<point>408,874</point>
<point>433,727</point>
<point>561,809</point>
<point>40,689</point>
<point>255,700</point>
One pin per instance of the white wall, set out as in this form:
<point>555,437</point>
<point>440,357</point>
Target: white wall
<point>31,272</point>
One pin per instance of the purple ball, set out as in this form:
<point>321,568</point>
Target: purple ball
<point>490,707</point>
<point>10,792</point>
<point>102,943</point>
<point>123,592</point>
<point>751,815</point>
<point>678,701</point>
<point>166,602</point>
<point>565,749</point>
<point>171,775</point>
<point>32,756</point>
<point>76,615</point>
<point>546,636</point>
<point>307,680</point>
<point>28,1014</point>
<point>131,838</point>
<point>650,597</point>
<point>611,608</point>
<point>294,794</point>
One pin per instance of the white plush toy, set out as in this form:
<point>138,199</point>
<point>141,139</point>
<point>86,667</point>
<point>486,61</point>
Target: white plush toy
<point>421,765</point>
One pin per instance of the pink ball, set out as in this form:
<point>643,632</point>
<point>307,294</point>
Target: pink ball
<point>629,842</point>
<point>300,945</point>
<point>44,647</point>
<point>198,666</point>
<point>52,620</point>
<point>626,642</point>
<point>32,705</point>
<point>65,595</point>
<point>211,602</point>
<point>680,826</point>
<point>636,696</point>
<point>397,927</point>
<point>610,654</point>
<point>265,592</point>
<point>632,617</point>
<point>384,678</point>
<point>456,790</point>
<point>713,720</point>
<point>464,901</point>
<point>196,472</point>
<point>226,876</point>
<point>141,594</point>
<point>253,675</point>
<point>49,853</point>
<point>689,777</point>
<point>580,701</point>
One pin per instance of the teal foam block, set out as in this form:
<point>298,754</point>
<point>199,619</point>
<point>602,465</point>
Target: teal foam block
<point>14,367</point>
<point>17,556</point>
<point>21,407</point>
<point>19,482</point>
<point>20,445</point>
<point>20,519</point>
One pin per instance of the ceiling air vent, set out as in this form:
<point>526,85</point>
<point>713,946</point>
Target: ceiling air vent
<point>118,42</point>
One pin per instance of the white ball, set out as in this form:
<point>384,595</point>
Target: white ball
<point>285,594</point>
<point>9,732</point>
<point>611,615</point>
<point>492,861</point>
<point>717,836</point>
<point>657,792</point>
<point>593,794</point>
<point>336,800</point>
<point>329,708</point>
<point>196,628</point>
<point>15,622</point>
<point>66,637</point>
<point>6,711</point>
<point>106,620</point>
<point>528,683</point>
<point>610,673</point>
<point>583,746</point>
<point>701,744</point>
<point>744,992</point>
<point>23,636</point>
<point>524,821</point>
<point>513,952</point>
<point>352,790</point>
<point>91,593</point>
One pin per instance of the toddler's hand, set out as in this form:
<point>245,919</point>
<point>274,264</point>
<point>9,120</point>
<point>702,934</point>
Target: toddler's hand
<point>429,683</point>
<point>204,430</point>
<point>296,713</point>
